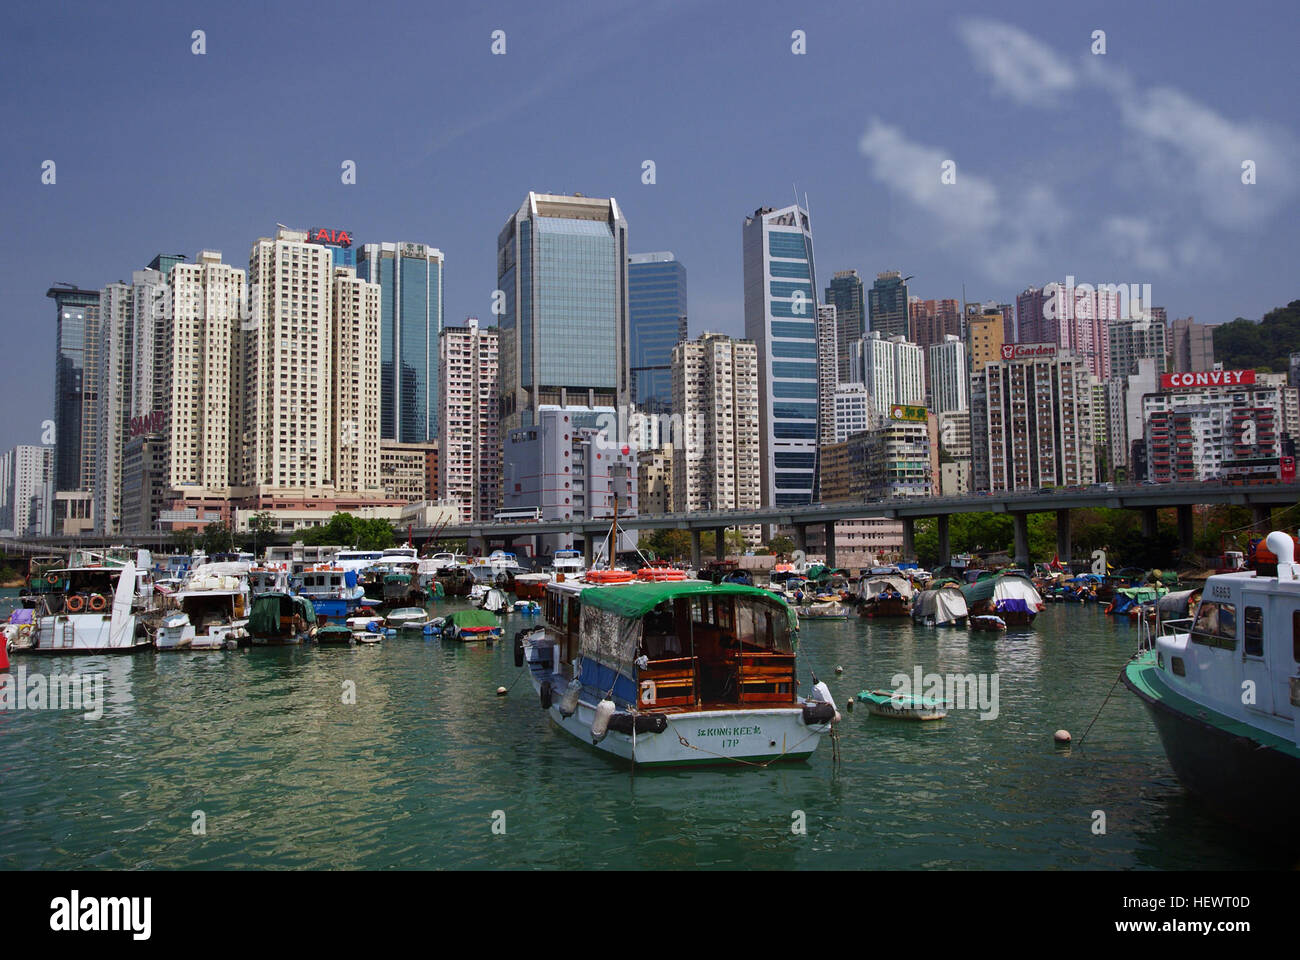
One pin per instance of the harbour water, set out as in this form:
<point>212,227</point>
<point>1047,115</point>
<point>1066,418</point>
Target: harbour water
<point>430,769</point>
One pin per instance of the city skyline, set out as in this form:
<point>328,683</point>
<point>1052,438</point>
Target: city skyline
<point>445,182</point>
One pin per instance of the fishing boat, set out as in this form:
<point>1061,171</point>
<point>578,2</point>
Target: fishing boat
<point>885,595</point>
<point>900,706</point>
<point>91,608</point>
<point>673,673</point>
<point>1008,594</point>
<point>268,578</point>
<point>526,608</point>
<point>455,581</point>
<point>568,563</point>
<point>334,591</point>
<point>943,605</point>
<point>281,619</point>
<point>1239,753</point>
<point>989,622</point>
<point>214,602</point>
<point>1131,601</point>
<point>470,625</point>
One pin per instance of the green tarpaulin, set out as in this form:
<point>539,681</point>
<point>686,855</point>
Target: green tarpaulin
<point>264,621</point>
<point>473,618</point>
<point>638,599</point>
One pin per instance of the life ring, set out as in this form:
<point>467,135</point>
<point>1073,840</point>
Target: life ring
<point>51,578</point>
<point>97,602</point>
<point>610,576</point>
<point>74,603</point>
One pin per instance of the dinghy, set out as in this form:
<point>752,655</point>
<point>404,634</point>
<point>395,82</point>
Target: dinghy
<point>900,706</point>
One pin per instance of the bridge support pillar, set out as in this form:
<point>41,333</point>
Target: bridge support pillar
<point>945,549</point>
<point>909,538</point>
<point>588,551</point>
<point>1150,518</point>
<point>1021,523</point>
<point>1064,546</point>
<point>1186,531</point>
<point>1261,517</point>
<point>695,550</point>
<point>720,543</point>
<point>830,544</point>
<point>801,538</point>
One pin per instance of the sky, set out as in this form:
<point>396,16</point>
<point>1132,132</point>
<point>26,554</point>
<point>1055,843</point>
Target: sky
<point>1115,167</point>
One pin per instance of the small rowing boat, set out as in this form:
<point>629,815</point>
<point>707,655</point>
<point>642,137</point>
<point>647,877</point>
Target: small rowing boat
<point>901,706</point>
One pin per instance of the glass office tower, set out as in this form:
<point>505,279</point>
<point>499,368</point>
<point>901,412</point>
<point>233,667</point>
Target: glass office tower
<point>410,277</point>
<point>76,345</point>
<point>562,273</point>
<point>656,300</point>
<point>845,292</point>
<point>781,319</point>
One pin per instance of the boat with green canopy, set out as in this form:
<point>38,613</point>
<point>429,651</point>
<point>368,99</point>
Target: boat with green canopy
<point>1008,594</point>
<point>676,672</point>
<point>469,625</point>
<point>281,619</point>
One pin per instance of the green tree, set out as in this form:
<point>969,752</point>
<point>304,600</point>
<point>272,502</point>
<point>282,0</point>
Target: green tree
<point>183,541</point>
<point>668,544</point>
<point>736,542</point>
<point>781,545</point>
<point>218,537</point>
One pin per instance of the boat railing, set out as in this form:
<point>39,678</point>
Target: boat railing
<point>1168,628</point>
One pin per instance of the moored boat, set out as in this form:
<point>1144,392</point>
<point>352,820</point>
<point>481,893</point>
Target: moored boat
<point>901,706</point>
<point>91,610</point>
<point>399,618</point>
<point>470,625</point>
<point>988,622</point>
<point>1008,594</point>
<point>333,634</point>
<point>281,619</point>
<point>942,605</point>
<point>1240,753</point>
<point>674,673</point>
<point>214,603</point>
<point>885,595</point>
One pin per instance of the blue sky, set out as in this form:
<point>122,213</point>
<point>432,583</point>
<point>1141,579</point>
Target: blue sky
<point>1121,168</point>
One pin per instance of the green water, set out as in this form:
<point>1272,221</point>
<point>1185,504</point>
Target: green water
<point>417,772</point>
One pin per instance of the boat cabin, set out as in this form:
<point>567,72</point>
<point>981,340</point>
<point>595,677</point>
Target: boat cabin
<point>678,645</point>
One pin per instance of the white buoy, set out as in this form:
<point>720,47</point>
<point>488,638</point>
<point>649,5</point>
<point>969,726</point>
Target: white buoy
<point>839,669</point>
<point>1062,736</point>
<point>569,702</point>
<point>501,691</point>
<point>600,725</point>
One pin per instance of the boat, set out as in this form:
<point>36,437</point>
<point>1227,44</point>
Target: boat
<point>494,601</point>
<point>92,609</point>
<point>334,591</point>
<point>901,706</point>
<point>281,619</point>
<point>568,563</point>
<point>367,638</point>
<point>674,673</point>
<point>824,610</point>
<point>531,586</point>
<point>214,602</point>
<point>1240,754</point>
<point>943,605</point>
<point>989,622</point>
<point>334,634</point>
<point>455,581</point>
<point>885,595</point>
<point>469,625</point>
<point>268,578</point>
<point>526,608</point>
<point>1130,601</point>
<point>405,615</point>
<point>1008,594</point>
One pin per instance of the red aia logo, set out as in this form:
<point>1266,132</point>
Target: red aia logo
<point>333,238</point>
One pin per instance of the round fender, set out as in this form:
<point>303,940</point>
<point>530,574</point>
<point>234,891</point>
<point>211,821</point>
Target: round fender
<point>641,722</point>
<point>519,649</point>
<point>818,713</point>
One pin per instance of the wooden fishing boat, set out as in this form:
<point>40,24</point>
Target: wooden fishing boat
<point>281,619</point>
<point>988,622</point>
<point>885,595</point>
<point>901,706</point>
<point>334,635</point>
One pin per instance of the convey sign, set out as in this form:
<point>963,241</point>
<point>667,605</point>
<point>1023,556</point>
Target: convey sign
<point>1207,378</point>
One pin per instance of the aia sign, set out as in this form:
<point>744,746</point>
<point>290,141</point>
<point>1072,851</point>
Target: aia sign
<point>331,238</point>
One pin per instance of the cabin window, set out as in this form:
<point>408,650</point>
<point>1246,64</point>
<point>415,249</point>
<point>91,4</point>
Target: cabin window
<point>723,616</point>
<point>1177,664</point>
<point>1216,625</point>
<point>1254,632</point>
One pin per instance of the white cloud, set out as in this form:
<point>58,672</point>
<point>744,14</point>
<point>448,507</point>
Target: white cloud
<point>1134,240</point>
<point>1005,236</point>
<point>1020,66</point>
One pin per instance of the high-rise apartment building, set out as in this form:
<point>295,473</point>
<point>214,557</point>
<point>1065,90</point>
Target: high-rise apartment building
<point>1192,346</point>
<point>201,402</point>
<point>932,320</point>
<point>853,412</point>
<point>410,278</point>
<point>469,405</point>
<point>27,491</point>
<point>1218,425</point>
<point>1134,340</point>
<point>355,322</point>
<point>781,320</point>
<point>984,336</point>
<point>1075,318</point>
<point>286,423</point>
<point>562,278</point>
<point>846,294</point>
<point>715,392</point>
<point>656,303</point>
<point>949,376</point>
<point>892,370</point>
<point>1031,420</point>
<point>887,304</point>
<point>827,371</point>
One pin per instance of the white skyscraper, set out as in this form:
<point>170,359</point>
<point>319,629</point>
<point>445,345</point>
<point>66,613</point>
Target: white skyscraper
<point>27,490</point>
<point>781,320</point>
<point>852,410</point>
<point>891,369</point>
<point>827,371</point>
<point>949,376</point>
<point>469,459</point>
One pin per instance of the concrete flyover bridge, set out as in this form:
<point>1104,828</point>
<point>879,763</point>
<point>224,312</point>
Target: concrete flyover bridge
<point>1147,499</point>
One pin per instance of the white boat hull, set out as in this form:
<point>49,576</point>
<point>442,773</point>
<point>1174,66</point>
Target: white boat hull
<point>80,633</point>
